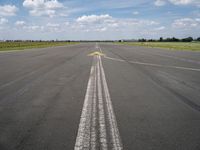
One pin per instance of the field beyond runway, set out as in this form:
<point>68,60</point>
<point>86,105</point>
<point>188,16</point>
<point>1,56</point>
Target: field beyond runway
<point>121,97</point>
<point>24,45</point>
<point>189,46</point>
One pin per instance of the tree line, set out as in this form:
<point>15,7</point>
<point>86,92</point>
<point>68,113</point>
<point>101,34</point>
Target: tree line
<point>173,39</point>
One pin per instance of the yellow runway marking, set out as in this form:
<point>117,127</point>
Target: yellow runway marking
<point>96,53</point>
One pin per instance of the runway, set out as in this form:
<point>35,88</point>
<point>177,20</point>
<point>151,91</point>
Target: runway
<point>127,98</point>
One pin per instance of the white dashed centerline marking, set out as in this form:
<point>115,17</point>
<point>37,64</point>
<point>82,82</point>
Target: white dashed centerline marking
<point>98,127</point>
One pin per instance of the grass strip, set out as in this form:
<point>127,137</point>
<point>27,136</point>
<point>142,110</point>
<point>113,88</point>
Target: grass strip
<point>7,46</point>
<point>189,46</point>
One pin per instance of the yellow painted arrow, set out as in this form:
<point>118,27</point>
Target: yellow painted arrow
<point>97,53</point>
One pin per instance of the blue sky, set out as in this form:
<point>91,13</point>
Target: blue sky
<point>98,19</point>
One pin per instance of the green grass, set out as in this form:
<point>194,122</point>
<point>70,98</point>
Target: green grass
<point>7,46</point>
<point>190,46</point>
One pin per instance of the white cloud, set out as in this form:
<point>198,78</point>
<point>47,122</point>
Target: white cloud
<point>66,23</point>
<point>108,20</point>
<point>186,23</point>
<point>101,29</point>
<point>94,18</point>
<point>105,22</point>
<point>197,19</point>
<point>20,23</point>
<point>177,2</point>
<point>135,12</point>
<point>160,28</point>
<point>182,2</point>
<point>53,25</point>
<point>63,14</point>
<point>33,28</point>
<point>113,25</point>
<point>42,7</point>
<point>104,25</point>
<point>160,2</point>
<point>3,21</point>
<point>49,27</point>
<point>186,2</point>
<point>151,22</point>
<point>8,10</point>
<point>95,23</point>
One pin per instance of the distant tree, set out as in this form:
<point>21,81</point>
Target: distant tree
<point>175,39</point>
<point>142,40</point>
<point>120,41</point>
<point>188,39</point>
<point>151,40</point>
<point>161,39</point>
<point>167,40</point>
<point>198,39</point>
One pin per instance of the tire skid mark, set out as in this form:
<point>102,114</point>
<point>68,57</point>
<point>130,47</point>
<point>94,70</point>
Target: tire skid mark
<point>46,70</point>
<point>46,67</point>
<point>181,97</point>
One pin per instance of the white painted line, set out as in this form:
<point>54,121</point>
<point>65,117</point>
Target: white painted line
<point>179,58</point>
<point>114,59</point>
<point>83,136</point>
<point>155,65</point>
<point>96,46</point>
<point>97,122</point>
<point>184,68</point>
<point>94,113</point>
<point>102,124</point>
<point>114,132</point>
<point>100,50</point>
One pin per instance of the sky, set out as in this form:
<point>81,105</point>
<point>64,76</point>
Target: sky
<point>98,19</point>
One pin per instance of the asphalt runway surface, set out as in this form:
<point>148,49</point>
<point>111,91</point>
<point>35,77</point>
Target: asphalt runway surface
<point>131,98</point>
